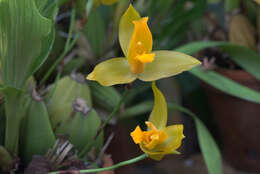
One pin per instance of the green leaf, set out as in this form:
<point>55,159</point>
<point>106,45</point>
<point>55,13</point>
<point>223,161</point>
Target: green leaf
<point>66,92</point>
<point>95,32</point>
<point>138,109</point>
<point>245,57</point>
<point>15,107</point>
<point>105,97</point>
<point>81,128</point>
<point>48,8</point>
<point>225,85</point>
<point>178,19</point>
<point>194,47</point>
<point>209,148</point>
<point>37,136</point>
<point>89,6</point>
<point>2,124</point>
<point>6,161</point>
<point>25,39</point>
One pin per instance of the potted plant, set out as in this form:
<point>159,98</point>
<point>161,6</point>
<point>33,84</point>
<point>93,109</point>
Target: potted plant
<point>232,78</point>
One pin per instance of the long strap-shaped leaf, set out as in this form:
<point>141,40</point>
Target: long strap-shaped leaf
<point>245,57</point>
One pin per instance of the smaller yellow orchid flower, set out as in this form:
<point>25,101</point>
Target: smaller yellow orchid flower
<point>158,140</point>
<point>141,62</point>
<point>105,2</point>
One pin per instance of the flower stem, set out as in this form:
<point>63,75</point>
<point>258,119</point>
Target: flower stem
<point>112,114</point>
<point>123,163</point>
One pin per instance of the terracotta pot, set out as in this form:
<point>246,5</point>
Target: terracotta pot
<point>238,121</point>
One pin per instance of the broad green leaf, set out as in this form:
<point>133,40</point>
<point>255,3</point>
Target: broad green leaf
<point>81,128</point>
<point>105,97</point>
<point>37,136</point>
<point>95,32</point>
<point>66,92</point>
<point>245,57</point>
<point>25,39</point>
<point>48,8</point>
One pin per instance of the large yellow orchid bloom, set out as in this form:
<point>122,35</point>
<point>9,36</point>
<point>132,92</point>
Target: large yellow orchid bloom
<point>258,1</point>
<point>158,140</point>
<point>136,42</point>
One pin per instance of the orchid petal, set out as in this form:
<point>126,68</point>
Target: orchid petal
<point>175,136</point>
<point>126,28</point>
<point>166,64</point>
<point>111,72</point>
<point>159,113</point>
<point>140,46</point>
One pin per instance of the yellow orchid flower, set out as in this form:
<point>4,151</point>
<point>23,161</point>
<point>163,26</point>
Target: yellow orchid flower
<point>141,62</point>
<point>105,2</point>
<point>158,140</point>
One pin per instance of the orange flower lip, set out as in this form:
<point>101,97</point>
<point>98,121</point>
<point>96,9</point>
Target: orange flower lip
<point>151,138</point>
<point>140,46</point>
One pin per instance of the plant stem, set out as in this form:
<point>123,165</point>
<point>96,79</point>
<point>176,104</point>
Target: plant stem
<point>112,114</point>
<point>124,163</point>
<point>14,110</point>
<point>68,46</point>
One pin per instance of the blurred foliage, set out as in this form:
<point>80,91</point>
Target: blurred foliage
<point>44,43</point>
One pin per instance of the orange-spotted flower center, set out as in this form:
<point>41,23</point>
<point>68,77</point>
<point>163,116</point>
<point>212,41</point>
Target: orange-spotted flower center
<point>151,138</point>
<point>140,46</point>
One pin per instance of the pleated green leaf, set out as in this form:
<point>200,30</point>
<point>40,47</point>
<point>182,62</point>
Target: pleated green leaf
<point>63,95</point>
<point>106,97</point>
<point>26,37</point>
<point>81,128</point>
<point>37,136</point>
